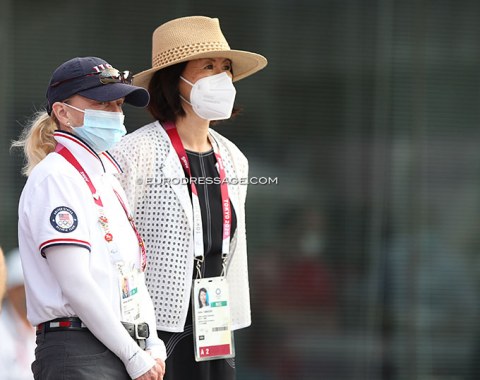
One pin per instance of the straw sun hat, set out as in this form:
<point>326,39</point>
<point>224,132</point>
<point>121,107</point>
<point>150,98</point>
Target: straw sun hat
<point>188,38</point>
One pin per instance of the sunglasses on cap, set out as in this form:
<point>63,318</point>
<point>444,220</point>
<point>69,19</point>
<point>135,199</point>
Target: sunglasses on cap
<point>109,75</point>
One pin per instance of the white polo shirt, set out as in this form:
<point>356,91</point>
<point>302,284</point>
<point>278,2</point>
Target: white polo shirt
<point>57,208</point>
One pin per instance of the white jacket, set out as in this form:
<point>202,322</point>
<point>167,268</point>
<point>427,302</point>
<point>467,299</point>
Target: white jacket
<point>152,179</point>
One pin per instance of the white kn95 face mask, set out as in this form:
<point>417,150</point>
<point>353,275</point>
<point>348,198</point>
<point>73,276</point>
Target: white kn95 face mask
<point>212,97</point>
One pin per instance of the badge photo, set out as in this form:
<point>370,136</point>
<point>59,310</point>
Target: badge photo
<point>64,219</point>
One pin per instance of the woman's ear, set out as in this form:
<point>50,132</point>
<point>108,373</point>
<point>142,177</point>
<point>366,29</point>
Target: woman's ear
<point>60,112</point>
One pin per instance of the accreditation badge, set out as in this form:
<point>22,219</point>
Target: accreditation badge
<point>213,337</point>
<point>129,295</point>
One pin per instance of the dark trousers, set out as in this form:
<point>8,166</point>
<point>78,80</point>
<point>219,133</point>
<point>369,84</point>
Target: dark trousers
<point>75,355</point>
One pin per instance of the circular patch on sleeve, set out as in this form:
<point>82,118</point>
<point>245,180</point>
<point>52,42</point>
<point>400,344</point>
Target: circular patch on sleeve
<point>64,219</point>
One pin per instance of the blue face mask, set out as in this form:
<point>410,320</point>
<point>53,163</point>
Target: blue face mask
<point>101,129</point>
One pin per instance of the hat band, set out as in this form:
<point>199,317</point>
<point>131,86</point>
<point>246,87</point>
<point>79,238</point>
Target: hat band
<point>181,52</point>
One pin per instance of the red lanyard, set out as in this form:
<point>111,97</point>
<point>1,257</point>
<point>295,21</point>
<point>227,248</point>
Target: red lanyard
<point>197,218</point>
<point>227,216</point>
<point>98,201</point>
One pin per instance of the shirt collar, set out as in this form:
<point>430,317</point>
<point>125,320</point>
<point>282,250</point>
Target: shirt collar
<point>92,162</point>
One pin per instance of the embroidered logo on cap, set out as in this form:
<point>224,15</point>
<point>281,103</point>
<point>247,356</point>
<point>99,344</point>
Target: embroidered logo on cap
<point>64,219</point>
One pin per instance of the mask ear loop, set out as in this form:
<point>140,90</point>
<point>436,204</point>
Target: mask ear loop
<point>185,100</point>
<point>75,108</point>
<point>69,123</point>
<point>191,84</point>
<point>186,80</point>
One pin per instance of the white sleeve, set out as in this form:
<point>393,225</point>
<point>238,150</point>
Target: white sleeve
<point>154,343</point>
<point>70,266</point>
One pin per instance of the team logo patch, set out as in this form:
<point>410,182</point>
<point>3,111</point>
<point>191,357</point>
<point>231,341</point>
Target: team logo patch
<point>64,219</point>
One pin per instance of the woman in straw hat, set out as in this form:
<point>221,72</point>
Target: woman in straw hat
<point>187,185</point>
<point>77,240</point>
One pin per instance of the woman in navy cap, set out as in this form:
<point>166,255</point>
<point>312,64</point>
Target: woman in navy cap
<point>77,239</point>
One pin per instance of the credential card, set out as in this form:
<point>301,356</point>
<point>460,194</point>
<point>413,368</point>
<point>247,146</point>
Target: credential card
<point>213,337</point>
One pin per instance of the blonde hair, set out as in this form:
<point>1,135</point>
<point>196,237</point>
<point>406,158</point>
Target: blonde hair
<point>37,140</point>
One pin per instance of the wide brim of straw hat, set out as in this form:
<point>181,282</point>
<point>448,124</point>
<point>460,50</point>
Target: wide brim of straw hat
<point>196,37</point>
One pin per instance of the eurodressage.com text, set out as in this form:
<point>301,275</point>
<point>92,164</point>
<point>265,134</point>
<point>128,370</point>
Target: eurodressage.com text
<point>263,181</point>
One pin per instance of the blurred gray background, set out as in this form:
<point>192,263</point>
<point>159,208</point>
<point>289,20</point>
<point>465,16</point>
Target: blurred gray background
<point>364,258</point>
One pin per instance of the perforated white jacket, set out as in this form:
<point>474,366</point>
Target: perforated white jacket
<point>151,177</point>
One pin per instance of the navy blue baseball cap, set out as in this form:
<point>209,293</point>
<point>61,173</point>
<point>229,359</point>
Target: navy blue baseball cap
<point>95,79</point>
